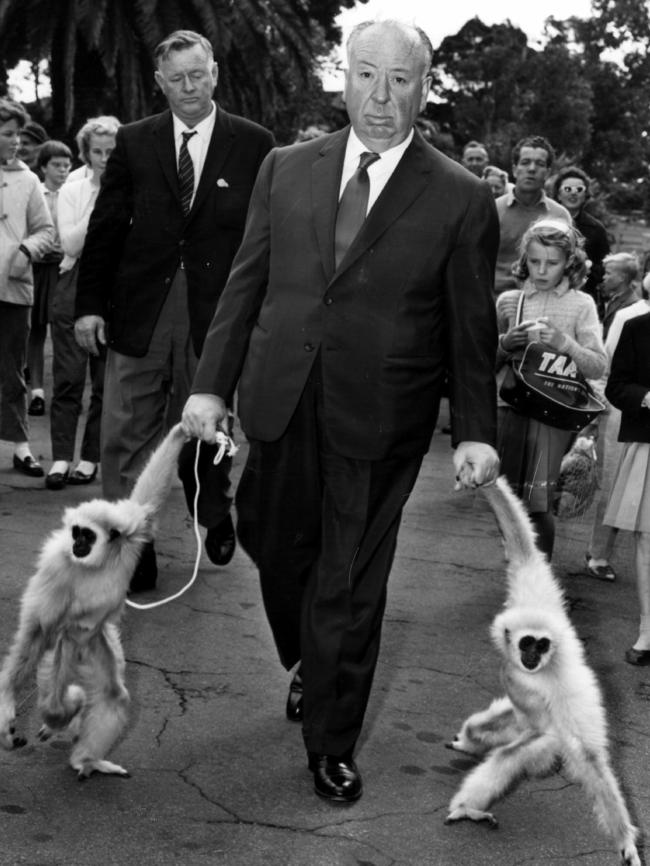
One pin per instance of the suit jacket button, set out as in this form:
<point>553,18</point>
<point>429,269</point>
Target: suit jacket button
<point>167,280</point>
<point>327,301</point>
<point>308,347</point>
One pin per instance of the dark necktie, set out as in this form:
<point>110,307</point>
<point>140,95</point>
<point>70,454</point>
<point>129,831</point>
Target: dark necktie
<point>352,207</point>
<point>186,173</point>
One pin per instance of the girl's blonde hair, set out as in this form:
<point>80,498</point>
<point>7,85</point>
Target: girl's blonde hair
<point>555,233</point>
<point>106,124</point>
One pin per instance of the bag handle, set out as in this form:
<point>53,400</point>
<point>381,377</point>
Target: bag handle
<point>520,308</point>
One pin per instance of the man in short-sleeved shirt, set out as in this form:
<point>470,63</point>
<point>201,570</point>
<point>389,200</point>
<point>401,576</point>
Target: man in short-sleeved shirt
<point>532,160</point>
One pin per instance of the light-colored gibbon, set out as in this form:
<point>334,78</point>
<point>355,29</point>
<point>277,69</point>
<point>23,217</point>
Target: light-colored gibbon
<point>552,716</point>
<point>70,609</point>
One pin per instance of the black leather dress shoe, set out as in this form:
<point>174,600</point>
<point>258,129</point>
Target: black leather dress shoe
<point>637,657</point>
<point>146,571</point>
<point>294,699</point>
<point>36,406</point>
<point>79,477</point>
<point>336,778</point>
<point>28,466</point>
<point>56,480</point>
<point>220,542</point>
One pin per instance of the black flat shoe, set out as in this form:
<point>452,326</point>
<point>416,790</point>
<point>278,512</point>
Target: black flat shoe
<point>336,778</point>
<point>36,406</point>
<point>79,477</point>
<point>294,699</point>
<point>146,571</point>
<point>637,657</point>
<point>220,542</point>
<point>56,480</point>
<point>28,466</point>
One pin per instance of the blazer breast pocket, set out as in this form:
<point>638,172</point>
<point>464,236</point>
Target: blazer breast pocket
<point>230,204</point>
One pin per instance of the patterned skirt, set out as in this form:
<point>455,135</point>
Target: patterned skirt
<point>531,454</point>
<point>629,501</point>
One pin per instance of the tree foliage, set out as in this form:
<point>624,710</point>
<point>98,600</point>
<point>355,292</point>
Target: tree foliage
<point>586,89</point>
<point>101,51</point>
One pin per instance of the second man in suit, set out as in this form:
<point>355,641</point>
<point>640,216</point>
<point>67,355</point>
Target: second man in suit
<point>167,223</point>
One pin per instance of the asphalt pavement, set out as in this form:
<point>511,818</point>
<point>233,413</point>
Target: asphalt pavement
<point>218,776</point>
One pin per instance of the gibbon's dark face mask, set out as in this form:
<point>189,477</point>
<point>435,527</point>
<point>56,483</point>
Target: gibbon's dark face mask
<point>532,650</point>
<point>83,540</point>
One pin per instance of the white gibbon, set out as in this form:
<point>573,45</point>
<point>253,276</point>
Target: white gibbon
<point>70,609</point>
<point>552,716</point>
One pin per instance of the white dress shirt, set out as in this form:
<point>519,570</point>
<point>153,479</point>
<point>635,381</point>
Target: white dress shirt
<point>379,171</point>
<point>197,145</point>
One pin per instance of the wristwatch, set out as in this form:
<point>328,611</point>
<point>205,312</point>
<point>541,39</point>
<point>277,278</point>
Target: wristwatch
<point>23,249</point>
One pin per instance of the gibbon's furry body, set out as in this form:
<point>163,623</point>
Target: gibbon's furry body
<point>69,614</point>
<point>552,715</point>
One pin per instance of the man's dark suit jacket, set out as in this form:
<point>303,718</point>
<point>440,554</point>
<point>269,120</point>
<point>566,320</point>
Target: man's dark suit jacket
<point>412,296</point>
<point>629,379</point>
<point>138,234</point>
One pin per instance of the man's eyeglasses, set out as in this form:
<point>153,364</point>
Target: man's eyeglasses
<point>573,189</point>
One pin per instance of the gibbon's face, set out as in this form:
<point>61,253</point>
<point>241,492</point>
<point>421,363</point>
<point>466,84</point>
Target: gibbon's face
<point>529,649</point>
<point>89,543</point>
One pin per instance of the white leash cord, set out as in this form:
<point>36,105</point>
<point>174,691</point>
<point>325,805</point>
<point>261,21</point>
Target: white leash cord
<point>226,446</point>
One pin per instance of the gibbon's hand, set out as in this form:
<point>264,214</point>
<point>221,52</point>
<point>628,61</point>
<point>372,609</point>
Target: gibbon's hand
<point>90,333</point>
<point>476,464</point>
<point>203,415</point>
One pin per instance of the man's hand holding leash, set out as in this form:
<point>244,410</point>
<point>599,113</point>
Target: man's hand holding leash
<point>204,415</point>
<point>476,464</point>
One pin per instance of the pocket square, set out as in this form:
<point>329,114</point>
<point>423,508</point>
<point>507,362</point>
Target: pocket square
<point>222,183</point>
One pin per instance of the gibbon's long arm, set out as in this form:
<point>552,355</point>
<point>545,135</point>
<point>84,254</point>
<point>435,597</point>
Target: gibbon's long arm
<point>515,526</point>
<point>156,478</point>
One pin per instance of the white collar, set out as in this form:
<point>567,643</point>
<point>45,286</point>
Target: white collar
<point>355,147</point>
<point>203,128</point>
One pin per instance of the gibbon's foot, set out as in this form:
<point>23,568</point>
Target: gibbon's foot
<point>630,855</point>
<point>220,542</point>
<point>466,813</point>
<point>87,767</point>
<point>146,571</point>
<point>294,698</point>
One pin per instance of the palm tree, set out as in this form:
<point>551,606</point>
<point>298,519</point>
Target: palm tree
<point>100,51</point>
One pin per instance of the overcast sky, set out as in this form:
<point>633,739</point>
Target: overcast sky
<point>439,18</point>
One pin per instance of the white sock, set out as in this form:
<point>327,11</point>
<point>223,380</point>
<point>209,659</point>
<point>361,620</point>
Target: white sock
<point>643,643</point>
<point>22,450</point>
<point>38,392</point>
<point>61,466</point>
<point>86,467</point>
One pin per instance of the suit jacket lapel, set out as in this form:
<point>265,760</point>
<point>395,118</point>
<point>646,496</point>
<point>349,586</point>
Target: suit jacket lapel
<point>404,185</point>
<point>220,144</point>
<point>325,183</point>
<point>165,150</point>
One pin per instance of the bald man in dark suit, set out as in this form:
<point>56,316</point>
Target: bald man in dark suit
<point>339,331</point>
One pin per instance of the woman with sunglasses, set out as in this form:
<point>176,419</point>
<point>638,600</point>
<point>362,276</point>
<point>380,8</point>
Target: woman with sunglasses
<point>571,189</point>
